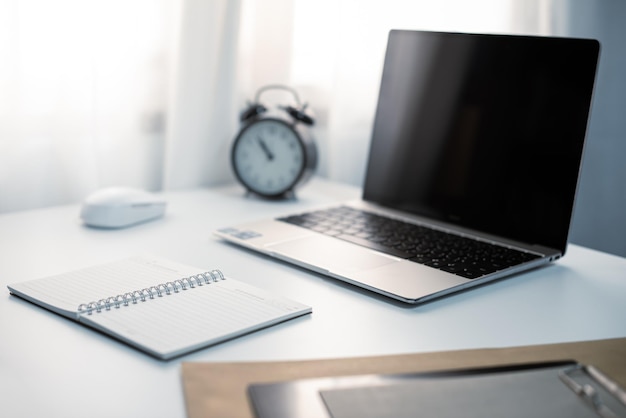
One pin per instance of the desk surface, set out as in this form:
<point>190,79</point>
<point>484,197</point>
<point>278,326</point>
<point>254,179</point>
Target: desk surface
<point>51,366</point>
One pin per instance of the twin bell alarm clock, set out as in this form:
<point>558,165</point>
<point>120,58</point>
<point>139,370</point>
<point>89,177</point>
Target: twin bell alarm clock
<point>274,152</point>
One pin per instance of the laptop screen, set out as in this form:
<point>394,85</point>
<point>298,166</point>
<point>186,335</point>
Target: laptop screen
<point>483,131</point>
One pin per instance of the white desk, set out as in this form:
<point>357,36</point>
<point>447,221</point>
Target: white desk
<point>53,367</point>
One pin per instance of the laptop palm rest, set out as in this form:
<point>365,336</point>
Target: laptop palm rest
<point>363,267</point>
<point>330,254</point>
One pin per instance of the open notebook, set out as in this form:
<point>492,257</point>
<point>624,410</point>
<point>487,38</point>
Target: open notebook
<point>161,307</point>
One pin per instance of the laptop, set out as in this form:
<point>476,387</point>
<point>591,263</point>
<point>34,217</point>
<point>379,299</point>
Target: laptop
<point>472,171</point>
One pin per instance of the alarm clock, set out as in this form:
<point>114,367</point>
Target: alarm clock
<point>274,152</point>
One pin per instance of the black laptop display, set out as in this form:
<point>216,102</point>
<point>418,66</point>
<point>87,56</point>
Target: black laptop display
<point>483,131</point>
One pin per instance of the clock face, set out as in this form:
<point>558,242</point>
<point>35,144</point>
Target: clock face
<point>268,157</point>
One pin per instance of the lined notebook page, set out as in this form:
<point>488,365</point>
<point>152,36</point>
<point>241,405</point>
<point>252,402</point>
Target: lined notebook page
<point>66,291</point>
<point>172,324</point>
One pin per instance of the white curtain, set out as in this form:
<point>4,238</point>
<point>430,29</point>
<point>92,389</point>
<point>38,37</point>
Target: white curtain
<point>203,94</point>
<point>82,94</point>
<point>146,93</point>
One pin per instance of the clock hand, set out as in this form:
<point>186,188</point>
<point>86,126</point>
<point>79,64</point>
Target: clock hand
<point>266,150</point>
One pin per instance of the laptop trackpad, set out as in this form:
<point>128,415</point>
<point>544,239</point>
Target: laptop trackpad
<point>330,254</point>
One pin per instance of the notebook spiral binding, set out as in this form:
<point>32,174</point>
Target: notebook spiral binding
<point>159,290</point>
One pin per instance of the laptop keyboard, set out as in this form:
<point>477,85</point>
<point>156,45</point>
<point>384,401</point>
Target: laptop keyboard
<point>453,253</point>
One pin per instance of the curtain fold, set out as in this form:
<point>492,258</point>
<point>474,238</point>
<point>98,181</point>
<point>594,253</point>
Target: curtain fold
<point>202,110</point>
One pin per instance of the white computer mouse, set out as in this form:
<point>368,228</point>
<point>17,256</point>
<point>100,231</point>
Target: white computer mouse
<point>119,207</point>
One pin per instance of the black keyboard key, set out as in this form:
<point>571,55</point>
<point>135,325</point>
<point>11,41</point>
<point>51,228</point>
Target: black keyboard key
<point>454,268</point>
<point>469,274</point>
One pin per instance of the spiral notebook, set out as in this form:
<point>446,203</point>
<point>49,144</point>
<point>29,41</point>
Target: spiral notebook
<point>161,307</point>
